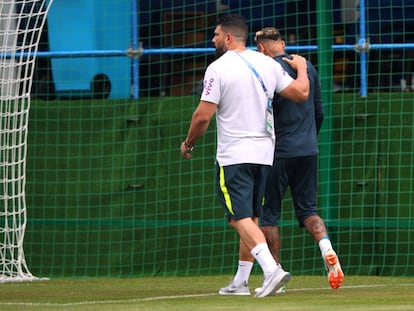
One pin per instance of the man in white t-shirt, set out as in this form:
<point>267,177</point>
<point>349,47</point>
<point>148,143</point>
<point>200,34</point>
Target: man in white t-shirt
<point>238,88</point>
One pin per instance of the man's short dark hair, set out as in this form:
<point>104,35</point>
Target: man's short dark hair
<point>234,24</point>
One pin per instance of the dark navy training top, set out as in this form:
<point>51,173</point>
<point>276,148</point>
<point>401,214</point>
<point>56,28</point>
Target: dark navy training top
<point>297,125</point>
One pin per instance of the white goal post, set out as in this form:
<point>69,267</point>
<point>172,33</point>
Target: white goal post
<point>21,24</point>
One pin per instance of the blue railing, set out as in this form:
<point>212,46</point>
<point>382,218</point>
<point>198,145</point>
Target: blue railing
<point>362,47</point>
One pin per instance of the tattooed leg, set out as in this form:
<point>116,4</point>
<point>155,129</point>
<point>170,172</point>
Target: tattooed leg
<point>273,240</point>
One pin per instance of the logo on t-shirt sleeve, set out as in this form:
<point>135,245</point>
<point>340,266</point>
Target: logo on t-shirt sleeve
<point>208,85</point>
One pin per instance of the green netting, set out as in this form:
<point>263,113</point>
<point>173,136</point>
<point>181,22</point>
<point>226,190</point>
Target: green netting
<point>108,193</point>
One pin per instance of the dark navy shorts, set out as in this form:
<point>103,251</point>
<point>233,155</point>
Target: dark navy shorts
<point>241,188</point>
<point>300,174</point>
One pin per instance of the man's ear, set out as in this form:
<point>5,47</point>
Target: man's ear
<point>228,37</point>
<point>260,47</point>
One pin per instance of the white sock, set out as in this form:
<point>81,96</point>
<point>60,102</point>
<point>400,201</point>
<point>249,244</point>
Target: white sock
<point>243,272</point>
<point>265,259</point>
<point>325,246</point>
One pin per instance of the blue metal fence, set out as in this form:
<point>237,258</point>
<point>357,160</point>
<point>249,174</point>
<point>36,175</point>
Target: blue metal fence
<point>123,70</point>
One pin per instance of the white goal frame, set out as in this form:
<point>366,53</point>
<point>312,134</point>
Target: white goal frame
<point>21,24</point>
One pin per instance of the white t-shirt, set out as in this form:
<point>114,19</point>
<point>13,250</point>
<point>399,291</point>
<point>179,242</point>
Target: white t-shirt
<point>242,136</point>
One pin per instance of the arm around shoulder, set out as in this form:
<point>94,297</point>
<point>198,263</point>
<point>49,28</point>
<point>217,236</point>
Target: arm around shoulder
<point>298,90</point>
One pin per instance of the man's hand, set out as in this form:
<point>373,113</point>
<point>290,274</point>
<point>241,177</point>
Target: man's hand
<point>296,61</point>
<point>298,90</point>
<point>186,150</point>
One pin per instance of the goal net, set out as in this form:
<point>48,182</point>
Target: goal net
<point>21,23</point>
<point>107,191</point>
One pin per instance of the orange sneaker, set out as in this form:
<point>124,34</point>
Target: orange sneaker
<point>333,267</point>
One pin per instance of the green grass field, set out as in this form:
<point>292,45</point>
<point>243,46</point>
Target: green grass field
<point>200,293</point>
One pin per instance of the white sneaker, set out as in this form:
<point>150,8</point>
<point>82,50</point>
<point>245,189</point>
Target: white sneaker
<point>281,290</point>
<point>333,267</point>
<point>231,289</point>
<point>274,282</point>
